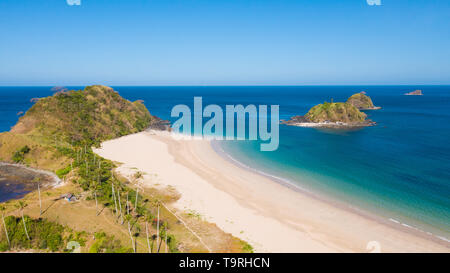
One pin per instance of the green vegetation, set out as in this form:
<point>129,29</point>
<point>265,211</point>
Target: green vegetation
<point>19,155</point>
<point>335,112</point>
<point>62,172</point>
<point>46,135</point>
<point>43,235</point>
<point>246,247</point>
<point>63,128</point>
<point>68,123</point>
<point>107,244</point>
<point>59,132</point>
<point>84,117</point>
<point>361,101</point>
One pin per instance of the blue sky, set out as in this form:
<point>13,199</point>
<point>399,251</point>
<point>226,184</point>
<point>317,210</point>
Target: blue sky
<point>224,42</point>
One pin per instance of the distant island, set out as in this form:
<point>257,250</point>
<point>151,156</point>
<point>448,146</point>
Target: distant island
<point>362,101</point>
<point>337,114</point>
<point>414,93</point>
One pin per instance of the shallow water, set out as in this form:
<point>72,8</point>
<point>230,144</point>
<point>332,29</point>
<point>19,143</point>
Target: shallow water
<point>399,169</point>
<point>10,189</point>
<point>16,181</point>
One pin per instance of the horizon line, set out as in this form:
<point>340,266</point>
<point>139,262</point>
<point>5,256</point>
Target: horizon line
<point>225,85</point>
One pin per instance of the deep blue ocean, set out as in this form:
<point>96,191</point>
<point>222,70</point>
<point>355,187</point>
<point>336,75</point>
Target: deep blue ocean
<point>398,169</point>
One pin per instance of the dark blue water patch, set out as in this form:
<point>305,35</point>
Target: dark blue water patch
<point>11,190</point>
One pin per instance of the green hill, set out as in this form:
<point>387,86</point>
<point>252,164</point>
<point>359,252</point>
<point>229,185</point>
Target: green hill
<point>335,112</point>
<point>362,101</point>
<point>57,134</point>
<point>71,118</point>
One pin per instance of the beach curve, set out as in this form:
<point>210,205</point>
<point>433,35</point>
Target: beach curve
<point>270,216</point>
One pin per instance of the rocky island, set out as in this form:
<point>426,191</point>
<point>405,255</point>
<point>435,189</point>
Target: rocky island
<point>362,101</point>
<point>414,93</point>
<point>333,115</point>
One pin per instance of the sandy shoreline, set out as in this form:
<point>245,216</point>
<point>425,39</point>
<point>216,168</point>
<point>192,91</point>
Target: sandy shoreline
<point>57,182</point>
<point>268,215</point>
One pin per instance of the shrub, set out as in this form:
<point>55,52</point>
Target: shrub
<point>19,155</point>
<point>107,244</point>
<point>61,172</point>
<point>43,234</point>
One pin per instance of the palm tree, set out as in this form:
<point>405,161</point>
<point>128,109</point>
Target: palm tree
<point>153,237</point>
<point>114,197</point>
<point>165,237</point>
<point>160,240</point>
<point>22,205</point>
<point>138,175</point>
<point>137,178</point>
<point>40,201</point>
<point>146,232</point>
<point>120,206</point>
<point>38,180</point>
<point>135,201</point>
<point>128,206</point>
<point>157,228</point>
<point>128,217</point>
<point>95,185</point>
<point>2,208</point>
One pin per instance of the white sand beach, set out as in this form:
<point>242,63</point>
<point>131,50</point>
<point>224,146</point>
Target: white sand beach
<point>268,215</point>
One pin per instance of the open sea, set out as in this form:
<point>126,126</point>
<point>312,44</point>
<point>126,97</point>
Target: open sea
<point>398,169</point>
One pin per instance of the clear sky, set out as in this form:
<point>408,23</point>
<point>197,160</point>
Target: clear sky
<point>224,42</point>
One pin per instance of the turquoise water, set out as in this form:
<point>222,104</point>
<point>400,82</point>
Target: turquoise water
<point>399,169</point>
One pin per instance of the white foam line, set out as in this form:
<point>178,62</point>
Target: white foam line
<point>56,179</point>
<point>418,229</point>
<point>290,183</point>
<point>276,178</point>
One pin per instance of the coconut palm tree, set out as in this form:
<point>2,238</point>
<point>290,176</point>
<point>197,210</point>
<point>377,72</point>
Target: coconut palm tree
<point>128,206</point>
<point>165,237</point>
<point>2,208</point>
<point>148,218</point>
<point>157,228</point>
<point>137,178</point>
<point>128,217</point>
<point>136,200</point>
<point>161,235</point>
<point>138,175</point>
<point>40,201</point>
<point>38,181</point>
<point>120,206</point>
<point>114,197</point>
<point>95,186</point>
<point>22,205</point>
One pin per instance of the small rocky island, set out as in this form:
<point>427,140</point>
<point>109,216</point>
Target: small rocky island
<point>414,93</point>
<point>362,101</point>
<point>337,114</point>
<point>331,114</point>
